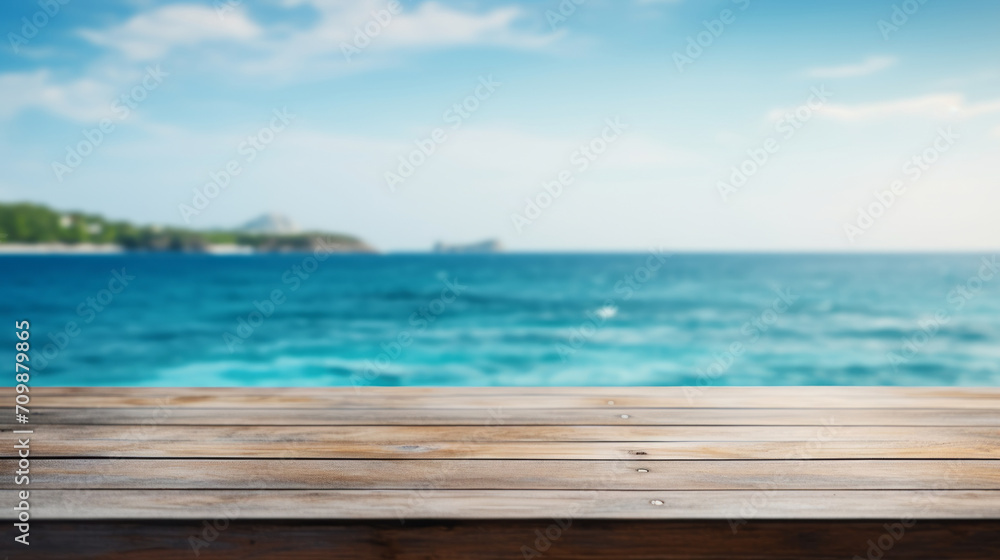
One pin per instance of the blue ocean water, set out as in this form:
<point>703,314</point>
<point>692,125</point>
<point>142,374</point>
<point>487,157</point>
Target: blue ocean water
<point>507,319</point>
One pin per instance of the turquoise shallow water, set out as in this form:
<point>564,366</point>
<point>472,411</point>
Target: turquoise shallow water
<point>625,319</point>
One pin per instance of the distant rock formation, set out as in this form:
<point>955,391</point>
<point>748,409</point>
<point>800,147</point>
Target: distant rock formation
<point>488,246</point>
<point>271,223</point>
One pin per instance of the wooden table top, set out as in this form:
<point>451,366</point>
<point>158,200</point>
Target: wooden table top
<point>726,453</point>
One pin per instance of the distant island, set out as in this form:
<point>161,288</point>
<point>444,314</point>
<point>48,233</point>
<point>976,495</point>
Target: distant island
<point>28,227</point>
<point>488,246</point>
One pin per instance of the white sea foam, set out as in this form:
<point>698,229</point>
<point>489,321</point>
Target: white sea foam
<point>607,312</point>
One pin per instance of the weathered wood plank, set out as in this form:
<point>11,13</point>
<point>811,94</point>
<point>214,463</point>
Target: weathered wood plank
<point>403,435</point>
<point>517,397</point>
<point>312,442</point>
<point>490,474</point>
<point>610,416</point>
<point>507,504</point>
<point>511,453</point>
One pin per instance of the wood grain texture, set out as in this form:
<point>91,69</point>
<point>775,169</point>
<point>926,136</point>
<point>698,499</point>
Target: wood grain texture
<point>402,435</point>
<point>417,503</point>
<point>838,454</point>
<point>500,416</point>
<point>260,442</point>
<point>297,474</point>
<point>321,443</point>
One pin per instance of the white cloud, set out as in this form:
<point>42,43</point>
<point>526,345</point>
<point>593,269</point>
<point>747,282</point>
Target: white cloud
<point>105,92</point>
<point>275,52</point>
<point>934,106</point>
<point>869,66</point>
<point>153,34</point>
<point>281,51</point>
<point>435,25</point>
<point>83,100</point>
<point>319,49</point>
<point>938,106</point>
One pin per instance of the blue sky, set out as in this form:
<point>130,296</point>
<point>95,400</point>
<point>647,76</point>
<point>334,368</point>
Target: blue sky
<point>896,81</point>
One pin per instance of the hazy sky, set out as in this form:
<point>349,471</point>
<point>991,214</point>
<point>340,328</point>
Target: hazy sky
<point>643,126</point>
